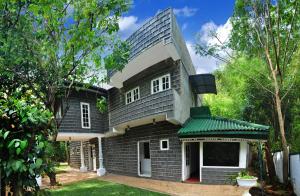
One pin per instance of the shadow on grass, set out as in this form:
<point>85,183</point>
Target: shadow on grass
<point>98,187</point>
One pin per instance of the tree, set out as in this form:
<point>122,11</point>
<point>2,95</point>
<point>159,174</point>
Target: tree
<point>268,30</point>
<point>45,44</point>
<point>24,131</point>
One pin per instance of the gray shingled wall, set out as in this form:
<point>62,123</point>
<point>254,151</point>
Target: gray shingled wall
<point>147,104</point>
<point>218,175</point>
<point>72,119</point>
<point>120,152</point>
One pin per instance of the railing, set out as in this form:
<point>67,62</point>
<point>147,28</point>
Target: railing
<point>154,104</point>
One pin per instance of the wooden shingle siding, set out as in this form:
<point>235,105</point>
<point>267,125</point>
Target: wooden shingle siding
<point>72,119</point>
<point>148,104</point>
<point>120,152</point>
<point>218,175</point>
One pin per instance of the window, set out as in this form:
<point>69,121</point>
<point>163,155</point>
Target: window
<point>164,144</point>
<point>160,84</point>
<point>133,95</point>
<point>221,154</point>
<point>85,115</point>
<point>146,150</point>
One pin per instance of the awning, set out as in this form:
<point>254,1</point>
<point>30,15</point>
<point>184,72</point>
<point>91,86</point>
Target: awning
<point>202,124</point>
<point>203,83</point>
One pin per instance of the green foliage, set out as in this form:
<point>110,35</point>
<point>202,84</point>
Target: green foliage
<point>102,104</point>
<point>46,43</point>
<point>244,174</point>
<point>25,125</point>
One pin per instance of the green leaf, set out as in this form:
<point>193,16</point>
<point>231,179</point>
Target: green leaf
<point>41,145</point>
<point>18,151</point>
<point>38,163</point>
<point>23,144</point>
<point>17,165</point>
<point>5,134</point>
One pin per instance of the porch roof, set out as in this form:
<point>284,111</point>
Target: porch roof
<point>202,124</point>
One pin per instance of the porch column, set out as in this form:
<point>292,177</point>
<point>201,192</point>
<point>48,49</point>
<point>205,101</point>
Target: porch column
<point>101,171</point>
<point>83,168</point>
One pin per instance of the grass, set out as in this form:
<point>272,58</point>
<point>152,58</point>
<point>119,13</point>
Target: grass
<point>98,187</point>
<point>62,168</point>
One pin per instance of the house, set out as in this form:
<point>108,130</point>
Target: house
<point>156,125</point>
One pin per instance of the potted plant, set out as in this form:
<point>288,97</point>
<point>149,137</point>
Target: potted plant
<point>244,179</point>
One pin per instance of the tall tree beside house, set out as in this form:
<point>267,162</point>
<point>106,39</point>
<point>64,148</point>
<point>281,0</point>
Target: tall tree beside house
<point>268,30</point>
<point>46,43</point>
<point>25,126</point>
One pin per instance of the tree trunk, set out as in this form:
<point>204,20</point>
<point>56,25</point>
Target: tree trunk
<point>285,166</point>
<point>67,153</point>
<point>270,163</point>
<point>285,162</point>
<point>17,189</point>
<point>52,177</point>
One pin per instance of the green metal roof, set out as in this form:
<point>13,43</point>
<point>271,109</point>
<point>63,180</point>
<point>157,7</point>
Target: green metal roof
<point>202,124</point>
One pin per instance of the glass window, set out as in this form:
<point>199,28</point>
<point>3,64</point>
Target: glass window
<point>166,82</point>
<point>85,116</point>
<point>221,154</point>
<point>136,94</point>
<point>132,95</point>
<point>164,144</point>
<point>155,86</point>
<point>128,97</point>
<point>160,84</point>
<point>146,150</point>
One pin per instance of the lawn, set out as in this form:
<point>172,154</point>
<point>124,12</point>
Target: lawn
<point>98,187</point>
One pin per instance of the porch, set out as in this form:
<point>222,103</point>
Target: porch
<point>214,148</point>
<point>91,154</point>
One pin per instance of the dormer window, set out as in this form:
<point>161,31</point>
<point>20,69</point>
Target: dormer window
<point>85,115</point>
<point>132,95</point>
<point>161,84</point>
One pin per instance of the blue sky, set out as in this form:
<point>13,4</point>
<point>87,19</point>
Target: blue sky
<point>193,16</point>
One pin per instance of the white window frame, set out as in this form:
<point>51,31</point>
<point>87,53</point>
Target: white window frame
<point>161,142</point>
<point>132,95</point>
<point>160,85</point>
<point>89,115</point>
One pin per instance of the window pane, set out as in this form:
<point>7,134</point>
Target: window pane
<point>85,115</point>
<point>165,82</point>
<point>155,86</point>
<point>128,97</point>
<point>221,153</point>
<point>135,94</point>
<point>146,150</point>
<point>165,144</point>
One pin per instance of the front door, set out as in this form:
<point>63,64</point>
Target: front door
<point>144,158</point>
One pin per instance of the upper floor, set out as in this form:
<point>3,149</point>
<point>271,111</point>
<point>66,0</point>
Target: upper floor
<point>79,113</point>
<point>156,40</point>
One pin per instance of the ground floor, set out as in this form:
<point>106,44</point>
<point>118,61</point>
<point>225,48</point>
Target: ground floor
<point>155,151</point>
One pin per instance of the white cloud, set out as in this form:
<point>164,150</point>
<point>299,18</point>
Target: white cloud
<point>184,26</point>
<point>202,64</point>
<point>185,11</point>
<point>128,25</point>
<point>209,64</point>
